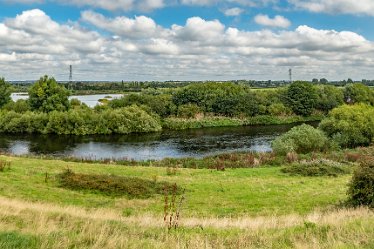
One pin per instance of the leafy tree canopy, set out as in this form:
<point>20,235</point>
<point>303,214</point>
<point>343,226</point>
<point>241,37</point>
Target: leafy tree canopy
<point>5,91</point>
<point>301,97</point>
<point>47,95</point>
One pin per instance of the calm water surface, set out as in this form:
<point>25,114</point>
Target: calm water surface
<point>168,144</point>
<point>89,100</point>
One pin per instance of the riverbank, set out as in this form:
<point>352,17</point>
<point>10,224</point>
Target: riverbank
<point>207,122</point>
<point>251,208</point>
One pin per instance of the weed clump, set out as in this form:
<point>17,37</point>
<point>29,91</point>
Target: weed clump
<point>320,167</point>
<point>361,188</point>
<point>112,185</point>
<point>4,165</point>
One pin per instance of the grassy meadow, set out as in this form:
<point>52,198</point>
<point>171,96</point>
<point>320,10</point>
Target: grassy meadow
<point>235,208</point>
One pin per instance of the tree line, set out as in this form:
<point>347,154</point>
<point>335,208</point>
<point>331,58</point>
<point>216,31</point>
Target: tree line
<point>48,109</point>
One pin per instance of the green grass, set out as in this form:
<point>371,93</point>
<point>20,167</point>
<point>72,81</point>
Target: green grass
<point>235,208</point>
<point>234,192</point>
<point>13,240</point>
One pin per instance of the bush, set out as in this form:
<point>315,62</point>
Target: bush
<point>20,106</point>
<point>301,139</point>
<point>188,111</point>
<point>361,187</point>
<point>80,121</point>
<point>316,168</point>
<point>350,126</point>
<point>112,185</point>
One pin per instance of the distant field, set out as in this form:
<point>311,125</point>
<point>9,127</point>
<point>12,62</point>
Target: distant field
<point>236,208</point>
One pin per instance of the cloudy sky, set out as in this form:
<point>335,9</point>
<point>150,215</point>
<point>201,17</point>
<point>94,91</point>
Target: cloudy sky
<point>187,39</point>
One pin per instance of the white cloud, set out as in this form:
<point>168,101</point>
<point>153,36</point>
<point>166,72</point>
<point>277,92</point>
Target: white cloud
<point>365,7</point>
<point>277,21</point>
<point>233,12</point>
<point>32,44</point>
<point>121,5</point>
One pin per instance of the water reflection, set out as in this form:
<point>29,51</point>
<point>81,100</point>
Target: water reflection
<point>171,144</point>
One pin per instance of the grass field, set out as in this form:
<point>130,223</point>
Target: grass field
<point>236,208</point>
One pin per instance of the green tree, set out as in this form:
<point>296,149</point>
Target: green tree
<point>350,125</point>
<point>329,97</point>
<point>358,93</point>
<point>5,91</point>
<point>46,96</point>
<point>323,81</point>
<point>301,97</point>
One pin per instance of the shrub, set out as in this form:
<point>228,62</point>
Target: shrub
<point>4,165</point>
<point>316,168</point>
<point>361,187</point>
<point>301,139</point>
<point>112,185</point>
<point>188,111</point>
<point>20,106</point>
<point>350,126</point>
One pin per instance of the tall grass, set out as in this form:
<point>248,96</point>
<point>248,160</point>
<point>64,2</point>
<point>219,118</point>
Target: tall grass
<point>53,226</point>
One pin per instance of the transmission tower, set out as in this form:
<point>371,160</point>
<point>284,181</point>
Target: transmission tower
<point>71,73</point>
<point>290,73</point>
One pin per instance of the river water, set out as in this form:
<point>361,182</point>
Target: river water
<point>89,100</point>
<point>152,146</point>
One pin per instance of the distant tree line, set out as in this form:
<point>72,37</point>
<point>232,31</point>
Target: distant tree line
<point>48,109</point>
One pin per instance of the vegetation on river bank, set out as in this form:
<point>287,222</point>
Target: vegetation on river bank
<point>192,106</point>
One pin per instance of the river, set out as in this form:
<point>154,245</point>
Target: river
<point>196,143</point>
<point>89,100</point>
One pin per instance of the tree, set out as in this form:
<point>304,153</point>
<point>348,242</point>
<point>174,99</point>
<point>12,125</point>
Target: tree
<point>301,97</point>
<point>46,96</point>
<point>329,97</point>
<point>315,81</point>
<point>358,93</point>
<point>5,91</point>
<point>323,81</point>
<point>350,81</point>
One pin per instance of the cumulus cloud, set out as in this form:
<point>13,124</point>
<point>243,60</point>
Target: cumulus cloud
<point>111,5</point>
<point>277,21</point>
<point>33,44</point>
<point>365,7</point>
<point>233,12</point>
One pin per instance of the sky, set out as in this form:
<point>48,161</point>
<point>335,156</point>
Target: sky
<point>145,40</point>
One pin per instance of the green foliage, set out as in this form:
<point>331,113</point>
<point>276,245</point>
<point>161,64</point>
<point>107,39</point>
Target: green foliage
<point>219,98</point>
<point>5,91</point>
<point>329,97</point>
<point>358,93</point>
<point>279,109</point>
<point>112,185</point>
<point>20,106</point>
<point>160,104</point>
<point>301,139</point>
<point>47,96</point>
<point>301,97</point>
<point>80,121</point>
<point>188,111</point>
<point>316,168</point>
<point>361,187</point>
<point>350,126</point>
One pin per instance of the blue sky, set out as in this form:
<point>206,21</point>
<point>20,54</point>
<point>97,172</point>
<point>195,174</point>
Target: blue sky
<point>187,39</point>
